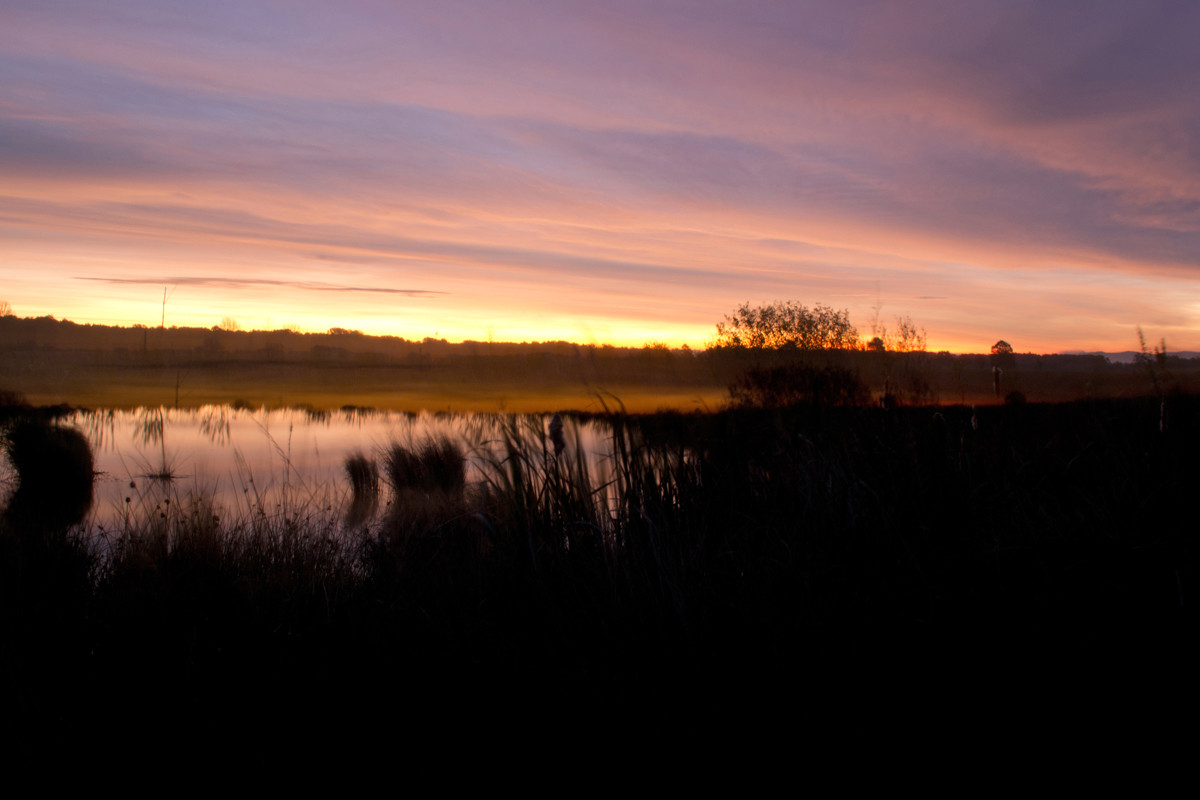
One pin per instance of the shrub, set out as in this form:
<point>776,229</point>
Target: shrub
<point>787,326</point>
<point>55,474</point>
<point>798,384</point>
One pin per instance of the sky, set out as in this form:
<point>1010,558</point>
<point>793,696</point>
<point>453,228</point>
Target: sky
<point>606,171</point>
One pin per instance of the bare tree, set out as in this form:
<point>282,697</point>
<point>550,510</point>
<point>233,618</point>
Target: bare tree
<point>908,338</point>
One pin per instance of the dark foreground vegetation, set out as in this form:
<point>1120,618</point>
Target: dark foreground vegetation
<point>811,557</point>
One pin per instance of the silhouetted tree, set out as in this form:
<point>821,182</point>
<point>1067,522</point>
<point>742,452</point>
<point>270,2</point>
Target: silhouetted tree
<point>1002,355</point>
<point>787,326</point>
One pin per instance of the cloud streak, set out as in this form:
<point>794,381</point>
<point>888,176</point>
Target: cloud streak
<point>228,283</point>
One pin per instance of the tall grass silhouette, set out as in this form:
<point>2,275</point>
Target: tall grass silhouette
<point>363,474</point>
<point>434,465</point>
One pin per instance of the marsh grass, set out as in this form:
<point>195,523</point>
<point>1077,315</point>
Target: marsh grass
<point>436,464</point>
<point>363,474</point>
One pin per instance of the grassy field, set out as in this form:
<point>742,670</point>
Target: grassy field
<point>454,386</point>
<point>57,361</point>
<point>323,388</point>
<point>642,382</point>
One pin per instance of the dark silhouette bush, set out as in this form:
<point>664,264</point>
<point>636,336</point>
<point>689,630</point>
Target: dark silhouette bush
<point>798,384</point>
<point>786,326</point>
<point>55,472</point>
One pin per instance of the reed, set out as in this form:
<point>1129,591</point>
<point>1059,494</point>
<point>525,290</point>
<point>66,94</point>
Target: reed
<point>434,464</point>
<point>363,474</point>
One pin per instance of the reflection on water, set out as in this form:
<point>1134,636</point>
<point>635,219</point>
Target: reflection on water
<point>214,423</point>
<point>265,462</point>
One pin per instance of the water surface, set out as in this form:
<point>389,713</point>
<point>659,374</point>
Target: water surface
<point>280,461</point>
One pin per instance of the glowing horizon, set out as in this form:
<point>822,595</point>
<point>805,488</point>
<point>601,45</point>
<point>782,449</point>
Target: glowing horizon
<point>612,174</point>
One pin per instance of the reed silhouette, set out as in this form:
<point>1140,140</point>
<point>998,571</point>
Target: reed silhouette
<point>363,474</point>
<point>435,464</point>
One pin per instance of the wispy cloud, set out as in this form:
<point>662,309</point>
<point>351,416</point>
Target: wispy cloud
<point>229,283</point>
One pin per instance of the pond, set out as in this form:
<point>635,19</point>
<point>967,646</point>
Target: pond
<point>288,461</point>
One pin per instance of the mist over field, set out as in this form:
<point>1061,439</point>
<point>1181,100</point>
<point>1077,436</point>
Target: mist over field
<point>56,361</point>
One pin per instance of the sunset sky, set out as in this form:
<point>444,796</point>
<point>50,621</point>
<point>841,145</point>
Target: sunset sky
<point>607,172</point>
